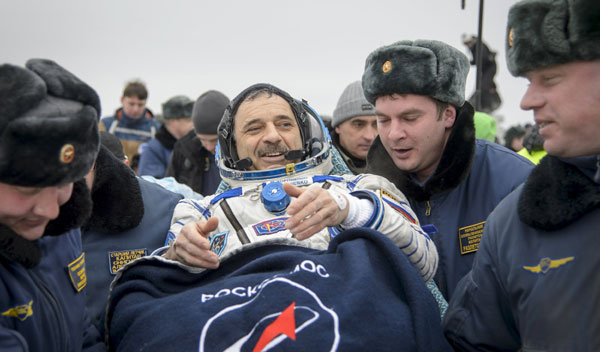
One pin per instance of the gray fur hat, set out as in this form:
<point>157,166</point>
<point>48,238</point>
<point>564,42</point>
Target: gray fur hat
<point>423,67</point>
<point>178,107</point>
<point>208,111</point>
<point>48,125</point>
<point>543,33</point>
<point>352,103</point>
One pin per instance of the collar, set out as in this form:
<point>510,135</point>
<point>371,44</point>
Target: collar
<point>454,166</point>
<point>117,197</point>
<point>558,192</point>
<point>355,164</point>
<point>127,120</point>
<point>165,138</point>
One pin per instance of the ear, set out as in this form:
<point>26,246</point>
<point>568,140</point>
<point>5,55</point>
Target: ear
<point>122,99</point>
<point>449,116</point>
<point>337,129</point>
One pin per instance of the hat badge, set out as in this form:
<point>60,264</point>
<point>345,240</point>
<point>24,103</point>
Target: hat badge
<point>511,36</point>
<point>67,153</point>
<point>387,67</point>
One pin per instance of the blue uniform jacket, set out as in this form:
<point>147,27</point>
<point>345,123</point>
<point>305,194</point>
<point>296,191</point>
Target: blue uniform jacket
<point>535,282</point>
<point>131,218</point>
<point>473,176</point>
<point>42,309</point>
<point>459,214</point>
<point>154,160</point>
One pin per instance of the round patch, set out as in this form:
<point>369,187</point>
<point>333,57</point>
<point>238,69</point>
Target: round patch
<point>387,67</point>
<point>511,35</point>
<point>67,153</point>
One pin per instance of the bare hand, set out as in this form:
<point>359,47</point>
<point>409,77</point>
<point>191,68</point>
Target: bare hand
<point>313,209</point>
<point>192,246</point>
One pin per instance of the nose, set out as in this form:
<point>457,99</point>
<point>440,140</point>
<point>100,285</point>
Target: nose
<point>370,133</point>
<point>532,99</point>
<point>211,146</point>
<point>396,130</point>
<point>271,134</point>
<point>48,203</point>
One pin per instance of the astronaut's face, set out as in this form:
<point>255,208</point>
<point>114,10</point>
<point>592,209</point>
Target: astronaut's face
<point>265,128</point>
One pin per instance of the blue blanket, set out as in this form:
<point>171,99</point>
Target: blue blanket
<point>360,294</point>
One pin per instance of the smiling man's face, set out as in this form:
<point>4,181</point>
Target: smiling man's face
<point>266,128</point>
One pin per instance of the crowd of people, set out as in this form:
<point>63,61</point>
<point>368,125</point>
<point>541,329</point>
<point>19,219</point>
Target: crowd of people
<point>398,223</point>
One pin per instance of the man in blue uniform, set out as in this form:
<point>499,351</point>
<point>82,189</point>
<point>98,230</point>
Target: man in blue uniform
<point>427,147</point>
<point>48,142</point>
<point>535,282</point>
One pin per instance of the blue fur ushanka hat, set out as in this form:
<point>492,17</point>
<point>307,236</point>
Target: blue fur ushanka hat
<point>543,33</point>
<point>48,125</point>
<point>423,67</point>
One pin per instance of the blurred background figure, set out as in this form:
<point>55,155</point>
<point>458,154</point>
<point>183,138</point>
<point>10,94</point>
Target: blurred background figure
<point>490,99</point>
<point>513,138</point>
<point>177,115</point>
<point>133,123</point>
<point>193,158</point>
<point>533,145</point>
<point>354,127</point>
<point>485,126</point>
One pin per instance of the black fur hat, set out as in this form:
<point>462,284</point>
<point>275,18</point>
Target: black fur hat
<point>424,67</point>
<point>48,125</point>
<point>543,33</point>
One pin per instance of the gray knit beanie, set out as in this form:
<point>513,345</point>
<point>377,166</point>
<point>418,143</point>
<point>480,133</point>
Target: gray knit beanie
<point>177,107</point>
<point>352,103</point>
<point>208,111</point>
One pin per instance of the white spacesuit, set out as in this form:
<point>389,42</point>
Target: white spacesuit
<point>254,209</point>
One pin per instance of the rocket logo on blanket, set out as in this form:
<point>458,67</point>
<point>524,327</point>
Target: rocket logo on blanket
<point>270,226</point>
<point>284,314</point>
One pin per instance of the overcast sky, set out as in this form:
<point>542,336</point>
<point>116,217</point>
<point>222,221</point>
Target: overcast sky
<point>311,48</point>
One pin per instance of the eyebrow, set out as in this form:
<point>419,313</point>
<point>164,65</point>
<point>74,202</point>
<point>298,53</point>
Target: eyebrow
<point>278,117</point>
<point>404,113</point>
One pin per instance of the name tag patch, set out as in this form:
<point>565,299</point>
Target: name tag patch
<point>76,270</point>
<point>218,242</point>
<point>469,237</point>
<point>118,259</point>
<point>270,226</point>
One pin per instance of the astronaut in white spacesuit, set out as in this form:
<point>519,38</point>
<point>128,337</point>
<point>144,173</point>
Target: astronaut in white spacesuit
<point>276,155</point>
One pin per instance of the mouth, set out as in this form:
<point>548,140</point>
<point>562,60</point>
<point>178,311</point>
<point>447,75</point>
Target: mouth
<point>401,152</point>
<point>273,156</point>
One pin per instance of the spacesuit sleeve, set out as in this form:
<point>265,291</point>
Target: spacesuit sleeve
<point>186,211</point>
<point>393,216</point>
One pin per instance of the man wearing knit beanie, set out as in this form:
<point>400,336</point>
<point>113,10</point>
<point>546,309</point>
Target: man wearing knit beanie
<point>427,147</point>
<point>534,285</point>
<point>354,127</point>
<point>193,162</point>
<point>48,143</point>
<point>177,115</point>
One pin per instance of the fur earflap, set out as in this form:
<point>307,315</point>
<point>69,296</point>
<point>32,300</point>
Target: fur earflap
<point>116,194</point>
<point>423,67</point>
<point>543,33</point>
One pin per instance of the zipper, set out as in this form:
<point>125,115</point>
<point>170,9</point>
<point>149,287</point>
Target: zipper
<point>428,210</point>
<point>60,317</point>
